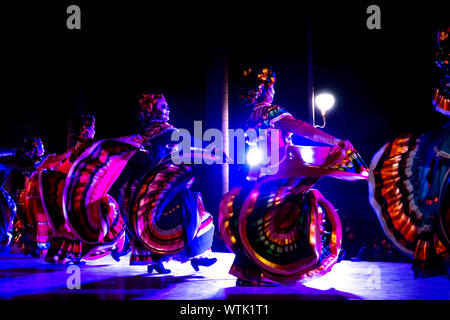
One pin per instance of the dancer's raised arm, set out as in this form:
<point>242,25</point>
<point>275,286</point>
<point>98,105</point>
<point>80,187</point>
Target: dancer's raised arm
<point>304,129</point>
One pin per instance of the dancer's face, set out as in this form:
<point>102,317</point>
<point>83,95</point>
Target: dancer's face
<point>40,150</point>
<point>88,133</point>
<point>162,110</point>
<point>92,132</point>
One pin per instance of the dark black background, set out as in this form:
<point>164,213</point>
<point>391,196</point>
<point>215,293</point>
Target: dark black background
<point>382,79</point>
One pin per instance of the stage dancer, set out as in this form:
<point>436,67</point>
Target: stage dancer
<point>23,160</point>
<point>43,226</point>
<point>280,229</point>
<point>410,184</point>
<point>34,225</point>
<point>66,244</point>
<point>31,225</point>
<point>165,219</point>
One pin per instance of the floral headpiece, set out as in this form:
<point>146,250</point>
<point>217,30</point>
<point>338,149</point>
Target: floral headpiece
<point>254,83</point>
<point>443,53</point>
<point>148,103</point>
<point>34,149</point>
<point>87,123</point>
<point>441,98</point>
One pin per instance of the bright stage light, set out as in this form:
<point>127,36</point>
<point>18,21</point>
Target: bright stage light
<point>324,102</point>
<point>254,156</point>
<point>307,154</point>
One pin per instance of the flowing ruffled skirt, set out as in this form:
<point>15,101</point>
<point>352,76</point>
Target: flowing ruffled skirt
<point>83,220</point>
<point>409,191</point>
<point>281,229</point>
<point>167,220</point>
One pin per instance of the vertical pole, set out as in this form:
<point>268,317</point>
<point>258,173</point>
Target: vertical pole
<point>226,143</point>
<point>310,71</point>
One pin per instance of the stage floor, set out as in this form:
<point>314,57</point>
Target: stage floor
<point>31,278</point>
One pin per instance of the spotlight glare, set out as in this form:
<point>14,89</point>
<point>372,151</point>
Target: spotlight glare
<point>307,154</point>
<point>324,102</point>
<point>254,156</point>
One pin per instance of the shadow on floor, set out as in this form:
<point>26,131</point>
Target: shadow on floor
<point>140,282</point>
<point>298,292</point>
<point>21,272</point>
<point>116,288</point>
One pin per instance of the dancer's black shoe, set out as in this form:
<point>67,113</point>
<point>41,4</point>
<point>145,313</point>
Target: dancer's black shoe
<point>116,254</point>
<point>205,262</point>
<point>158,267</point>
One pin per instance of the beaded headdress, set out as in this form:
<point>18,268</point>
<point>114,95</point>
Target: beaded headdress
<point>254,83</point>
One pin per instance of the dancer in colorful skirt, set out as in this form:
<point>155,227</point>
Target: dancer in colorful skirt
<point>410,184</point>
<point>67,243</point>
<point>164,218</point>
<point>45,228</point>
<point>23,160</point>
<point>282,230</point>
<point>33,223</point>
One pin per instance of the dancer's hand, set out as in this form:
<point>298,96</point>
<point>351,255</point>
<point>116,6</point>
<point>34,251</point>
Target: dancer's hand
<point>345,145</point>
<point>339,152</point>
